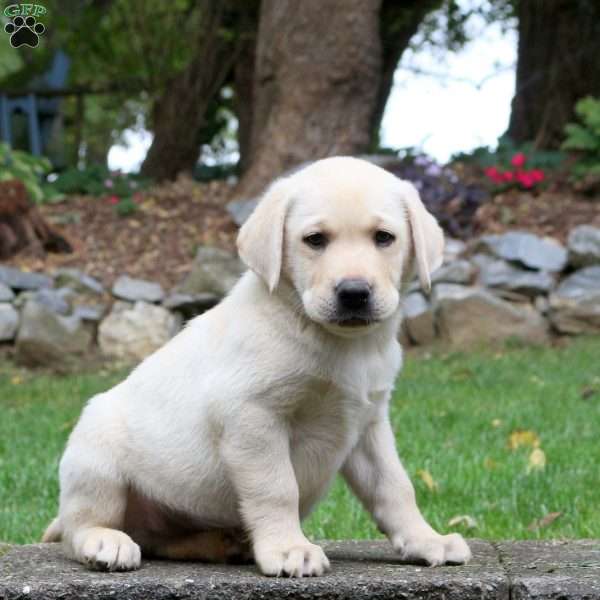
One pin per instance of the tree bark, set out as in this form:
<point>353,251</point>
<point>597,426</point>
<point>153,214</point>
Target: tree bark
<point>317,75</point>
<point>22,226</point>
<point>243,98</point>
<point>179,113</point>
<point>559,46</point>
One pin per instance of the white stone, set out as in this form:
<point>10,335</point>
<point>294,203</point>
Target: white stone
<point>132,333</point>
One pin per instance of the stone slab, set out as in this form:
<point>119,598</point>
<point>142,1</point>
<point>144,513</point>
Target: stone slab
<point>540,570</point>
<point>552,569</point>
<point>359,570</point>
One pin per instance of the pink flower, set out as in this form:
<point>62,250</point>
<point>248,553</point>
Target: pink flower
<point>108,183</point>
<point>526,180</point>
<point>113,200</point>
<point>537,175</point>
<point>508,176</point>
<point>491,172</point>
<point>518,160</point>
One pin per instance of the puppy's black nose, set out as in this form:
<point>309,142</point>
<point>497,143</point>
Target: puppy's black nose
<point>353,294</point>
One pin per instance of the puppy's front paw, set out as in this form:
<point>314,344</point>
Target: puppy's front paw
<point>434,549</point>
<point>300,560</point>
<point>108,550</point>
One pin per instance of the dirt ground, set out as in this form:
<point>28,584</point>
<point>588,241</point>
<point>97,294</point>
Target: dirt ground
<point>159,240</point>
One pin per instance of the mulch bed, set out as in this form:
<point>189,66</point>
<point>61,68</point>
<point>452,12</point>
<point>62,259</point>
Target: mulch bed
<point>159,240</point>
<point>550,213</point>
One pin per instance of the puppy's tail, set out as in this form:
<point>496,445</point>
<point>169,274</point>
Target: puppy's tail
<point>53,532</point>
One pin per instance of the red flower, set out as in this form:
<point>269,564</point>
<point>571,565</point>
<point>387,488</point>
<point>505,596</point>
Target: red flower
<point>537,175</point>
<point>113,200</point>
<point>493,174</point>
<point>518,160</point>
<point>526,180</point>
<point>508,176</point>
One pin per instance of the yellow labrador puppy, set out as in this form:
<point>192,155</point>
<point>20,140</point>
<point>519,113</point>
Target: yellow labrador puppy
<point>235,429</point>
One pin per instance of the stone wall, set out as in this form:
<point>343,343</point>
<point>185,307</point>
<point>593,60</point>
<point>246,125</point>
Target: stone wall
<point>497,288</point>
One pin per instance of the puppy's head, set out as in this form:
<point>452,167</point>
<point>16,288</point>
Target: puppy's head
<point>343,232</point>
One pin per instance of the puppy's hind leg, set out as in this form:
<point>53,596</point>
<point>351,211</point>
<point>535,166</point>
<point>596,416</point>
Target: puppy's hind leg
<point>93,503</point>
<point>53,532</point>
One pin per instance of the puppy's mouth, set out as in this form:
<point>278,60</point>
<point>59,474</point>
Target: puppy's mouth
<point>354,322</point>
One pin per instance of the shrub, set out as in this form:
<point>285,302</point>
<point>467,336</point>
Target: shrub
<point>29,169</point>
<point>546,160</point>
<point>584,137</point>
<point>97,180</point>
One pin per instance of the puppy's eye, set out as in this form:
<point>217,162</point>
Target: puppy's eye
<point>384,238</point>
<point>315,240</point>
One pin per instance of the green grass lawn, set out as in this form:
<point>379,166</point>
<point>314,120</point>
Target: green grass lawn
<point>453,416</point>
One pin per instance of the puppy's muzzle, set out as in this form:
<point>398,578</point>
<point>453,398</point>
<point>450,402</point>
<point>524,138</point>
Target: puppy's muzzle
<point>353,302</point>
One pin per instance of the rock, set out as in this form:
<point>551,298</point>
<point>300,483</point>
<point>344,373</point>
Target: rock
<point>189,305</point>
<point>6,294</point>
<point>58,301</point>
<point>214,271</point>
<point>575,306</point>
<point>532,251</point>
<point>20,280</point>
<point>500,274</point>
<point>419,319</point>
<point>240,210</point>
<point>90,312</point>
<point>453,248</point>
<point>78,281</point>
<point>49,339</point>
<point>128,288</point>
<point>134,332</point>
<point>584,246</point>
<point>467,316</point>
<point>458,271</point>
<point>9,322</point>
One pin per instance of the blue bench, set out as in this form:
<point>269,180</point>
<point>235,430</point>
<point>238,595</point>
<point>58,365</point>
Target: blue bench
<point>40,111</point>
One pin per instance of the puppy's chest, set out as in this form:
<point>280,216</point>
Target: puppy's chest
<point>327,422</point>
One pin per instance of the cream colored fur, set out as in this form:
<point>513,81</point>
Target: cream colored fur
<point>244,418</point>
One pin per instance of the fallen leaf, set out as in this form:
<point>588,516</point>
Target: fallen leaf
<point>544,521</point>
<point>523,437</point>
<point>466,521</point>
<point>537,380</point>
<point>463,374</point>
<point>588,391</point>
<point>537,460</point>
<point>489,463</point>
<point>428,479</point>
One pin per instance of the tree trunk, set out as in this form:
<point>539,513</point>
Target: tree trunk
<point>559,46</point>
<point>178,115</point>
<point>317,76</point>
<point>243,98</point>
<point>21,225</point>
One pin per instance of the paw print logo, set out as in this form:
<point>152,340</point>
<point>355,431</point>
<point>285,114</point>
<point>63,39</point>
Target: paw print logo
<point>24,32</point>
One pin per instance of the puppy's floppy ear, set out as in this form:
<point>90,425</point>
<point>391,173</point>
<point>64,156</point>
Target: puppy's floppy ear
<point>427,235</point>
<point>260,240</point>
